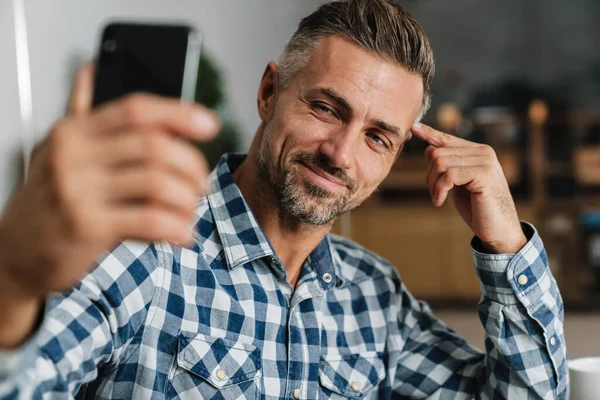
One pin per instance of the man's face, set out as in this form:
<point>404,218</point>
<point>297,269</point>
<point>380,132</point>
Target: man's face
<point>332,136</point>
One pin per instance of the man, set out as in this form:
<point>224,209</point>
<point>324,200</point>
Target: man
<point>259,300</point>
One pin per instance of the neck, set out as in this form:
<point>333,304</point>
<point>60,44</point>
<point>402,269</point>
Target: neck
<point>292,240</point>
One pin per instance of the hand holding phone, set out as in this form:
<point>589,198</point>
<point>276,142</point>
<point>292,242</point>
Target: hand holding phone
<point>121,171</point>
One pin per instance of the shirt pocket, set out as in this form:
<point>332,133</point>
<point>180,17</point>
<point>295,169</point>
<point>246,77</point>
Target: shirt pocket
<point>352,376</point>
<point>207,367</point>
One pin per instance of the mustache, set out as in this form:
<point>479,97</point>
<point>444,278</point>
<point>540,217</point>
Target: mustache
<point>324,163</point>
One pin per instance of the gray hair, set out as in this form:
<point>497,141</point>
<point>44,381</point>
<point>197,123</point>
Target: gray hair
<point>379,26</point>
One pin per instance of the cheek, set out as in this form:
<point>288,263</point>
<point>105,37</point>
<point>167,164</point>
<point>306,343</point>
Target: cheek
<point>289,132</point>
<point>371,173</point>
<point>301,128</point>
<point>286,137</point>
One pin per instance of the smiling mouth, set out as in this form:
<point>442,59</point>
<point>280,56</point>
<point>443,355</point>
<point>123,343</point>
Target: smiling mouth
<point>322,178</point>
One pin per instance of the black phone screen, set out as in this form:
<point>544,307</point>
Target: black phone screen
<point>143,58</point>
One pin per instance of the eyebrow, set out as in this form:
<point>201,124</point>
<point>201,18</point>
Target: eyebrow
<point>387,127</point>
<point>333,95</point>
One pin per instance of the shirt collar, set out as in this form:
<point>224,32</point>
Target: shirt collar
<point>242,237</point>
<point>327,260</point>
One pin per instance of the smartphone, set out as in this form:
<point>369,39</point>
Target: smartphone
<point>149,58</point>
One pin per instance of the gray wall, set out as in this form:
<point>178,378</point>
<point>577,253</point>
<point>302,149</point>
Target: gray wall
<point>241,35</point>
<point>552,43</point>
<point>10,140</point>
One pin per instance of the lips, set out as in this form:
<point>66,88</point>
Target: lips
<point>323,177</point>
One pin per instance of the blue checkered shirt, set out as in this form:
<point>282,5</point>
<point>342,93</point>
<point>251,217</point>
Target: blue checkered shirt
<point>219,320</point>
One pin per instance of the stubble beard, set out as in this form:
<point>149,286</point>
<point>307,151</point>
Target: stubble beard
<point>299,198</point>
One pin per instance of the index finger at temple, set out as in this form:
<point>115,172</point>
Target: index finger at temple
<point>437,138</point>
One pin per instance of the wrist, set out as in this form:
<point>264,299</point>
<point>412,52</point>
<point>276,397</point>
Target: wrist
<point>18,321</point>
<point>509,246</point>
<point>19,313</point>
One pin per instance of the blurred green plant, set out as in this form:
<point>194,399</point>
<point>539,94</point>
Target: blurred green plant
<point>210,91</point>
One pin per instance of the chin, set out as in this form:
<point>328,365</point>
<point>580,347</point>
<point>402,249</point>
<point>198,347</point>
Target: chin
<point>314,209</point>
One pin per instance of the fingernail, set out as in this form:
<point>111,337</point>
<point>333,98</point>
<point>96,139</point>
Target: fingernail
<point>204,121</point>
<point>417,125</point>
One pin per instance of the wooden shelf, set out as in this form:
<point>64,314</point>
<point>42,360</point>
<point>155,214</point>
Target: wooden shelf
<point>587,165</point>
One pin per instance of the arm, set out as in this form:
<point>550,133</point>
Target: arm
<point>121,171</point>
<point>521,309</point>
<point>521,359</point>
<point>87,328</point>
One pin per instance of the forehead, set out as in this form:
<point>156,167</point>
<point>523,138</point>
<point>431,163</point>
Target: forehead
<point>365,80</point>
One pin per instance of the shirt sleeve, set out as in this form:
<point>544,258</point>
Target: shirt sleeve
<point>522,313</point>
<point>86,328</point>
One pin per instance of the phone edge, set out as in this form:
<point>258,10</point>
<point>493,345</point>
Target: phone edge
<point>190,69</point>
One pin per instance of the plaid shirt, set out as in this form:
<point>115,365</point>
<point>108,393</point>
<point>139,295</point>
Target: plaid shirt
<point>219,320</point>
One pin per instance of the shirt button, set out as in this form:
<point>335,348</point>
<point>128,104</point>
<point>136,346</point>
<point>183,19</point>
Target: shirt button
<point>297,393</point>
<point>327,277</point>
<point>523,280</point>
<point>221,374</point>
<point>552,340</point>
<point>355,386</point>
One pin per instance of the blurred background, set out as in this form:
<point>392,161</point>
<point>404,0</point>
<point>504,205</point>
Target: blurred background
<point>522,76</point>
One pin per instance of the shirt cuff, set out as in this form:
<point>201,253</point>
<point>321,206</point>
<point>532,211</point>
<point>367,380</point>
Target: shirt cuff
<point>514,278</point>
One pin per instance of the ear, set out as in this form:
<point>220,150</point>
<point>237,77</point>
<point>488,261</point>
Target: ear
<point>267,91</point>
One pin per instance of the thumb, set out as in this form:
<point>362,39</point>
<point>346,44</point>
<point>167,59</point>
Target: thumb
<point>82,91</point>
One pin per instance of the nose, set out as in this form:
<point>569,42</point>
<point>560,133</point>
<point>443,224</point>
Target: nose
<point>340,148</point>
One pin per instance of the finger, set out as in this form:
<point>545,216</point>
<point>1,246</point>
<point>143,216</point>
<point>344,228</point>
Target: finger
<point>442,163</point>
<point>429,171</point>
<point>437,138</point>
<point>432,179</point>
<point>188,120</point>
<point>80,101</point>
<point>432,152</point>
<point>39,151</point>
<point>444,184</point>
<point>148,222</point>
<point>154,186</point>
<point>443,158</point>
<point>155,148</point>
<point>469,177</point>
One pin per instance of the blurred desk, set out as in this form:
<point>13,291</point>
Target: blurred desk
<point>429,246</point>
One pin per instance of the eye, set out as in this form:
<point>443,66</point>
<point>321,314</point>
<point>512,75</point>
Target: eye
<point>375,138</point>
<point>322,108</point>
